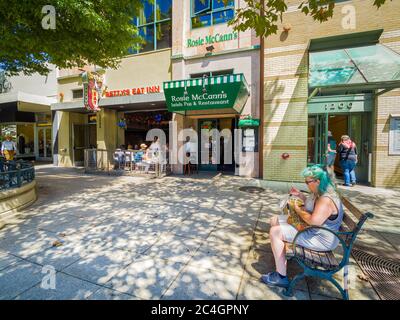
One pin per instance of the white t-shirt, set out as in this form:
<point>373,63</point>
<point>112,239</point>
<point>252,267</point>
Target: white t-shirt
<point>8,145</point>
<point>190,147</point>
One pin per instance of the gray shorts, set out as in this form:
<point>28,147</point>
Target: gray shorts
<point>312,239</point>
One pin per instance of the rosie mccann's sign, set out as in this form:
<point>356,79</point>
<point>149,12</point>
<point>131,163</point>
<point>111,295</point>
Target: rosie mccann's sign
<point>230,91</point>
<point>210,39</point>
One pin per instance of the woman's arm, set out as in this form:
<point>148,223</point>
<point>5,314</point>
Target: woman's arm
<point>321,212</point>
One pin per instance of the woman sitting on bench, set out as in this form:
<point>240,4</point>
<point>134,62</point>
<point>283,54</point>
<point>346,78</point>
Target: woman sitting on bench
<point>322,208</point>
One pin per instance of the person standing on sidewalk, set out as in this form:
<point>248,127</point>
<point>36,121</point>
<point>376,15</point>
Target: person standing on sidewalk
<point>331,154</point>
<point>8,148</point>
<point>348,159</point>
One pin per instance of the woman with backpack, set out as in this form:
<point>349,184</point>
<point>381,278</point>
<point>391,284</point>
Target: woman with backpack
<point>347,151</point>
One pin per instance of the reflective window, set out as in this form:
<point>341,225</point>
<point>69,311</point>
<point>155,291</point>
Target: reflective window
<point>164,35</point>
<point>147,33</point>
<point>146,13</point>
<point>154,25</point>
<point>209,12</point>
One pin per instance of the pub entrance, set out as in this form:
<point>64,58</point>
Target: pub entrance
<point>209,159</point>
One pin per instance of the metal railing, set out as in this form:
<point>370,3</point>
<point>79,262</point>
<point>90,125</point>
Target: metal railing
<point>106,161</point>
<point>14,174</point>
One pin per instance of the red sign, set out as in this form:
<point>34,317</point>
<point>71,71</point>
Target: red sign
<point>132,92</point>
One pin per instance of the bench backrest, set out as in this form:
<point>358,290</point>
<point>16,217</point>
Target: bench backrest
<point>351,226</point>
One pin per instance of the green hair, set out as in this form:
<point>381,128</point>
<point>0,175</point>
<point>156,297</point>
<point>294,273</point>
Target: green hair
<point>317,172</point>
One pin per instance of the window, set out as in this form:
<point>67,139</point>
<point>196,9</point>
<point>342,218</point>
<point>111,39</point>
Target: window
<point>211,74</point>
<point>77,94</point>
<point>154,25</point>
<point>209,12</point>
<point>394,135</point>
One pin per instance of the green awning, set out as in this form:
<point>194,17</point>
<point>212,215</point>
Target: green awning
<point>369,67</point>
<point>219,92</point>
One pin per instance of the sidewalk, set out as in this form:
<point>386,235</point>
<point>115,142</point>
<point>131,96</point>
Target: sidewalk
<point>180,237</point>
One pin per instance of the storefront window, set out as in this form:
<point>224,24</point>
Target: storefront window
<point>155,15</point>
<point>210,12</point>
<point>23,135</point>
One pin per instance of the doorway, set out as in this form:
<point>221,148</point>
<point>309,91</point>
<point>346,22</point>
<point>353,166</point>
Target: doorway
<point>84,136</point>
<point>208,147</point>
<point>357,125</point>
<point>44,143</point>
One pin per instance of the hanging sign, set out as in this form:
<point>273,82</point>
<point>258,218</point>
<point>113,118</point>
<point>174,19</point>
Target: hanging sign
<point>93,85</point>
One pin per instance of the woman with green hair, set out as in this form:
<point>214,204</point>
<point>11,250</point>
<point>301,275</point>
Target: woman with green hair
<point>323,208</point>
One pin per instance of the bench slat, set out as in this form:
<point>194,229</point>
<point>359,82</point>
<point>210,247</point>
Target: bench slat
<point>351,207</point>
<point>315,257</point>
<point>324,260</point>
<point>349,222</point>
<point>332,260</point>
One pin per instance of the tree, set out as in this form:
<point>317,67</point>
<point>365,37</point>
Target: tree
<point>98,32</point>
<point>263,16</point>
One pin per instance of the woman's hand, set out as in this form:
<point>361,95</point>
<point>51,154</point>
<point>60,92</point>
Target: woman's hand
<point>297,208</point>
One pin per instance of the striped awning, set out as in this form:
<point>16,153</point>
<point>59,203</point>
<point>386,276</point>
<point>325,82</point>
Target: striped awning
<point>219,92</point>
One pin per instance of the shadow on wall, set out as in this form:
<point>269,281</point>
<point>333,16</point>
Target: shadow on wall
<point>275,167</point>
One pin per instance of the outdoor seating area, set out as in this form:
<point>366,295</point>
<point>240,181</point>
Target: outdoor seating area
<point>123,162</point>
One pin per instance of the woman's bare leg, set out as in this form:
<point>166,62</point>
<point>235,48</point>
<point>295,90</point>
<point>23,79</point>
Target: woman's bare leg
<point>278,249</point>
<point>274,221</point>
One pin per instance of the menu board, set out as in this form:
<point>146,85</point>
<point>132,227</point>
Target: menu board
<point>249,142</point>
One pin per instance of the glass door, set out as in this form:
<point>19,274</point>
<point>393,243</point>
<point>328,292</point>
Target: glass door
<point>44,143</point>
<point>208,145</point>
<point>79,142</point>
<point>317,138</point>
<point>360,133</point>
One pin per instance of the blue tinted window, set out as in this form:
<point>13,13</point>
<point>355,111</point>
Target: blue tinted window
<point>147,33</point>
<point>223,16</point>
<point>218,4</point>
<point>146,13</point>
<point>154,25</point>
<point>164,10</point>
<point>207,13</point>
<point>201,21</point>
<point>200,6</point>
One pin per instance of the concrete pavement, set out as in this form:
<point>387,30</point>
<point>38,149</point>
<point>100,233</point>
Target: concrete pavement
<point>195,237</point>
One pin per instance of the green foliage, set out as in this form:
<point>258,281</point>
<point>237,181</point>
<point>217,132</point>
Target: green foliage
<point>263,15</point>
<point>97,32</point>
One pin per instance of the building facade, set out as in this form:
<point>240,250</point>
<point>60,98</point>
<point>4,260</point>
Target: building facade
<point>206,48</point>
<point>132,101</point>
<point>343,76</point>
<point>184,41</point>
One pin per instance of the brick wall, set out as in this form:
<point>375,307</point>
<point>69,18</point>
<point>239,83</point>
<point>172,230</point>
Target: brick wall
<point>285,107</point>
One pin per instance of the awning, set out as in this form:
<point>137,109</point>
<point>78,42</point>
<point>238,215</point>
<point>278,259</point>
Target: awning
<point>369,67</point>
<point>27,102</point>
<point>219,92</point>
<point>138,103</point>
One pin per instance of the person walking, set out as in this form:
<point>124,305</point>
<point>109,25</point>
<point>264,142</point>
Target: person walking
<point>331,154</point>
<point>347,151</point>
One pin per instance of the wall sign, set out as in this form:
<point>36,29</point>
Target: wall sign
<point>133,91</point>
<point>210,39</point>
